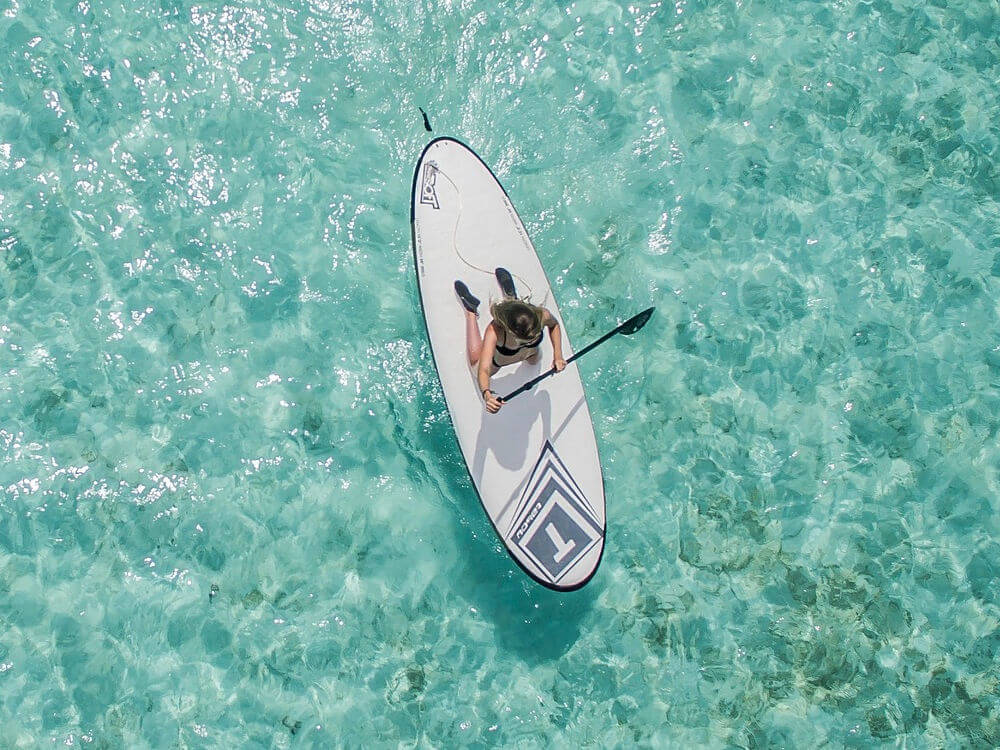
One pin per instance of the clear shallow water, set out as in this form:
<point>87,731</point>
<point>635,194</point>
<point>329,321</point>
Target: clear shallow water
<point>217,399</point>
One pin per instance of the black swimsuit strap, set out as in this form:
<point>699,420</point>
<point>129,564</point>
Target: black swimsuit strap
<point>511,352</point>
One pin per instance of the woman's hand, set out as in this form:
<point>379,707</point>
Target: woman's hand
<point>493,404</point>
<point>555,334</point>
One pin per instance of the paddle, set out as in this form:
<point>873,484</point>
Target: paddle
<point>627,328</point>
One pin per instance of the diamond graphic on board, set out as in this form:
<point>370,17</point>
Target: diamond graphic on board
<point>555,525</point>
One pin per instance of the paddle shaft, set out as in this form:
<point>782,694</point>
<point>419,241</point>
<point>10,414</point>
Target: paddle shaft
<point>535,381</point>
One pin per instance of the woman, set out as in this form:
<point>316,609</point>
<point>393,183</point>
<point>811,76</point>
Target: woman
<point>514,335</point>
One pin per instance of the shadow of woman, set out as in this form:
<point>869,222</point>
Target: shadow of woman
<point>505,434</point>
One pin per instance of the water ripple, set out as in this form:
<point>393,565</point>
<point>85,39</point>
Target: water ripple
<point>218,401</point>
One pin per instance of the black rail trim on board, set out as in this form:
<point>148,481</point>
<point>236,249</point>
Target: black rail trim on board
<point>423,312</point>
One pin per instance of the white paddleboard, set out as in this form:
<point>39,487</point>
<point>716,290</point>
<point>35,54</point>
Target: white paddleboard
<point>535,463</point>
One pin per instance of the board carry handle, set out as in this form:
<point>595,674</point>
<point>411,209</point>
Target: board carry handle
<point>627,328</point>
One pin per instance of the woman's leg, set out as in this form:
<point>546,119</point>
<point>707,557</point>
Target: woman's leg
<point>473,338</point>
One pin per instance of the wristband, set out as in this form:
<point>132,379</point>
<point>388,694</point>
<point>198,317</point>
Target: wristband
<point>484,392</point>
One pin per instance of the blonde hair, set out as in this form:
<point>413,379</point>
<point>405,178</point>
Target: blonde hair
<point>519,318</point>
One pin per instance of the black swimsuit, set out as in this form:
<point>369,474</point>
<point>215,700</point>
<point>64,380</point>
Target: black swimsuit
<point>507,352</point>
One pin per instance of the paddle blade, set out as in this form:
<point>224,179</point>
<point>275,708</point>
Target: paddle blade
<point>634,324</point>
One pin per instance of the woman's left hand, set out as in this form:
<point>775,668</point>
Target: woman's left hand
<point>559,364</point>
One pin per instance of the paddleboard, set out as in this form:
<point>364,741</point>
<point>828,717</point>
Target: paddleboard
<point>534,464</point>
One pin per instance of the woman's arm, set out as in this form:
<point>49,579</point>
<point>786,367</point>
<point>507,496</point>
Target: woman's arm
<point>485,366</point>
<point>555,334</point>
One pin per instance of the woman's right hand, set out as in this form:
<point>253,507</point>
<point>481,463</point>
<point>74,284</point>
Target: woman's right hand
<point>493,404</point>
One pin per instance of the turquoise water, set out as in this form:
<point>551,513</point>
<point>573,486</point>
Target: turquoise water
<point>233,513</point>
